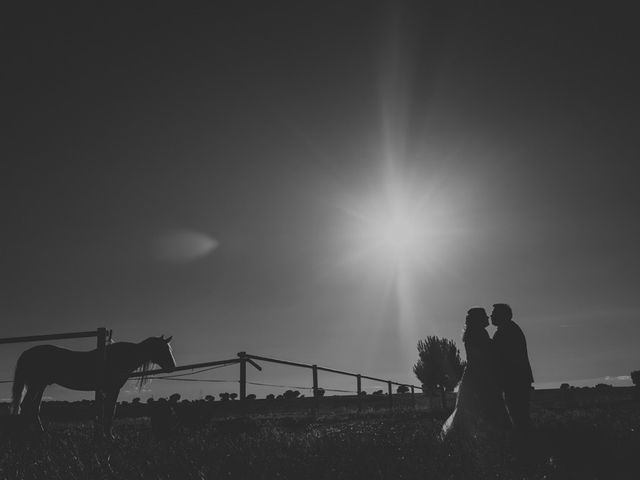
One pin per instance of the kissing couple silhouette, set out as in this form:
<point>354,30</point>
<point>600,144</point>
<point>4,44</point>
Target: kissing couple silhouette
<point>495,389</point>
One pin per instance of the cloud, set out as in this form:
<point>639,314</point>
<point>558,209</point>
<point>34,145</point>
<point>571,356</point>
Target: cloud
<point>183,246</point>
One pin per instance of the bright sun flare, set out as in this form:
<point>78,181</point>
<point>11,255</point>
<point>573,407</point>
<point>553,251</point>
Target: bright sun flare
<point>397,233</point>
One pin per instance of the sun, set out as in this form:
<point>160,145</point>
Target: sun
<point>396,233</point>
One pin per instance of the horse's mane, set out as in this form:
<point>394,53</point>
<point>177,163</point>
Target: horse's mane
<point>146,365</point>
<point>143,379</point>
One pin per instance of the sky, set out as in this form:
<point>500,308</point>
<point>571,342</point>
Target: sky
<point>323,182</point>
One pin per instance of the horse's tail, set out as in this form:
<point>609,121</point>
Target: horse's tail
<point>18,385</point>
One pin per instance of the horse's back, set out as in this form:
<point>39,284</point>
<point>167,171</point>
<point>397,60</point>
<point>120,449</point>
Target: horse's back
<point>47,364</point>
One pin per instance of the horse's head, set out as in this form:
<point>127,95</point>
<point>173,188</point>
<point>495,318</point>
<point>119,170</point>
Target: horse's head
<point>160,352</point>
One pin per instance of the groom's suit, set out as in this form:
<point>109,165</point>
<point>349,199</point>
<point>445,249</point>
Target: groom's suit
<point>510,347</point>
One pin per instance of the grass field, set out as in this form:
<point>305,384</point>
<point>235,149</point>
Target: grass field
<point>600,442</point>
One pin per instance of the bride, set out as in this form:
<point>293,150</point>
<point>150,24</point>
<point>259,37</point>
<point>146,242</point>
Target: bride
<point>479,404</point>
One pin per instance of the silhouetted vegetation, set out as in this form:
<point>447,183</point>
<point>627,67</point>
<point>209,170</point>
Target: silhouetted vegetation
<point>439,366</point>
<point>291,394</point>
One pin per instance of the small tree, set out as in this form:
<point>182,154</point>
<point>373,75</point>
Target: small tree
<point>291,394</point>
<point>439,366</point>
<point>403,389</point>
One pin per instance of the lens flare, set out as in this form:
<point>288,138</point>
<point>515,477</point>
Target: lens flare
<point>183,246</point>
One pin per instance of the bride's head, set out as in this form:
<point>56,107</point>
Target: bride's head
<point>477,318</point>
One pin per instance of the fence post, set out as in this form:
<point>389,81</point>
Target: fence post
<point>316,401</point>
<point>390,394</point>
<point>359,378</point>
<point>243,375</point>
<point>101,353</point>
<point>413,397</point>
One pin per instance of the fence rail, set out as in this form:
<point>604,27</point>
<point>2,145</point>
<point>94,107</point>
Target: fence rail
<point>243,358</point>
<point>193,366</point>
<point>53,336</point>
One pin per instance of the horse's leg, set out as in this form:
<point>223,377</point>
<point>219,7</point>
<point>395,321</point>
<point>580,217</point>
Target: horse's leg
<point>109,410</point>
<point>39,391</point>
<point>29,406</point>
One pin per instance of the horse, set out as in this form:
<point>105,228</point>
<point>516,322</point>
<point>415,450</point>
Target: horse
<point>44,365</point>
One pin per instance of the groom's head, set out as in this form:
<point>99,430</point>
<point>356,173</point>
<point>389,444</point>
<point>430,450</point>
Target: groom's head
<point>501,313</point>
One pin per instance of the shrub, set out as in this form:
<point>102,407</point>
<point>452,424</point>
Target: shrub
<point>439,366</point>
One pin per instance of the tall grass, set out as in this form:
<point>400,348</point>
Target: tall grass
<point>585,444</point>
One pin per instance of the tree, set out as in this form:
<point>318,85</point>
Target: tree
<point>403,389</point>
<point>291,394</point>
<point>439,367</point>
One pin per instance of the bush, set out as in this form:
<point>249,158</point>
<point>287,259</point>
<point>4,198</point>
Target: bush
<point>439,365</point>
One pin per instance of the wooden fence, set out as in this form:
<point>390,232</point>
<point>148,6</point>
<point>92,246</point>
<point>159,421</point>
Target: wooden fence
<point>242,359</point>
<point>245,358</point>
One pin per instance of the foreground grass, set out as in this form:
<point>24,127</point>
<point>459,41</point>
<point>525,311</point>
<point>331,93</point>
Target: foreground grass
<point>582,444</point>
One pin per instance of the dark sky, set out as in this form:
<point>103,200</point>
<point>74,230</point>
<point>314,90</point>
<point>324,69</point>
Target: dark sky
<point>194,171</point>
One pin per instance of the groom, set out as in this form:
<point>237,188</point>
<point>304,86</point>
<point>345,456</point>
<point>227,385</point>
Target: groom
<point>512,359</point>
